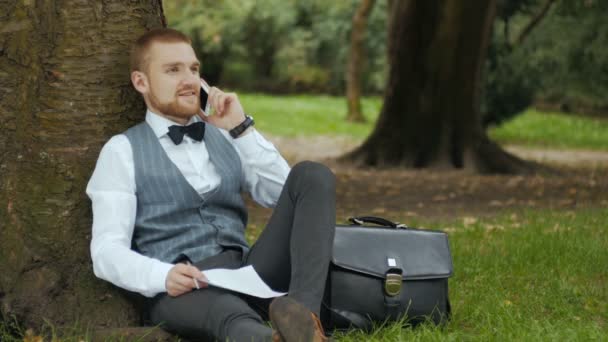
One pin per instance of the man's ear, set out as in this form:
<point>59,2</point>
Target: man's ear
<point>140,82</point>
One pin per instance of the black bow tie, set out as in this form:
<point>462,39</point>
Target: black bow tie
<point>195,131</point>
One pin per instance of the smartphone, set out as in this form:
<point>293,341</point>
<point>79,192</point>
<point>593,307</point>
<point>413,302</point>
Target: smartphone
<point>204,96</point>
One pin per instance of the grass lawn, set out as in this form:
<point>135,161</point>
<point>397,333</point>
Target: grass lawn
<point>554,130</point>
<point>307,115</point>
<point>537,276</point>
<point>532,276</point>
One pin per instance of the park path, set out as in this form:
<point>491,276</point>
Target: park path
<point>326,147</point>
<point>430,195</point>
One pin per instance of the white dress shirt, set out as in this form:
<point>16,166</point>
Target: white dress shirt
<point>112,192</point>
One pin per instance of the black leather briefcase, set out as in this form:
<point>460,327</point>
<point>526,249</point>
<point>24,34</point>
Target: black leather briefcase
<point>386,273</point>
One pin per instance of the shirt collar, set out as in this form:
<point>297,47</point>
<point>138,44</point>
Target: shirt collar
<point>160,125</point>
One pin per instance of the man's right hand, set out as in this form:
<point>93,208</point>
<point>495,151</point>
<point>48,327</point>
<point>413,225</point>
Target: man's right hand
<point>181,279</point>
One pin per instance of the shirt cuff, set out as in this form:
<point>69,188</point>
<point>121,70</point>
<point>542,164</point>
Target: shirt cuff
<point>252,143</point>
<point>158,278</point>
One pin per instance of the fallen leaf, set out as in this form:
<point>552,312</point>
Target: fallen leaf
<point>467,221</point>
<point>379,211</point>
<point>440,198</point>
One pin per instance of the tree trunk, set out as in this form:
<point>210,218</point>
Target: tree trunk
<point>356,61</point>
<point>64,90</point>
<point>430,116</point>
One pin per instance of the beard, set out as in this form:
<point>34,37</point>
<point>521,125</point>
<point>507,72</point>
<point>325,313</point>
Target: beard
<point>174,108</point>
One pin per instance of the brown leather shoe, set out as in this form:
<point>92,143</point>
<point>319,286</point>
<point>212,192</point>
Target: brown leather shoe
<point>294,322</point>
<point>276,336</point>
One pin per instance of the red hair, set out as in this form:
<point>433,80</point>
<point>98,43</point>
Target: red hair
<point>139,50</point>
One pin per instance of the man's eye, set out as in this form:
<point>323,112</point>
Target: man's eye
<point>174,69</point>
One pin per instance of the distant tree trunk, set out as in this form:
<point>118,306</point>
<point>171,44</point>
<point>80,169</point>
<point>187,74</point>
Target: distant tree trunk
<point>430,116</point>
<point>356,61</point>
<point>64,90</point>
<point>534,22</point>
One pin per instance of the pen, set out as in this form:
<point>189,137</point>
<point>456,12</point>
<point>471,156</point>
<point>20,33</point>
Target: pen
<point>194,279</point>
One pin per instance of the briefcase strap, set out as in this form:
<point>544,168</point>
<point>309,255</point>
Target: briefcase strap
<point>392,307</point>
<point>360,220</point>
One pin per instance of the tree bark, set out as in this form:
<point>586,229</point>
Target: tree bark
<point>356,61</point>
<point>64,90</point>
<point>430,116</point>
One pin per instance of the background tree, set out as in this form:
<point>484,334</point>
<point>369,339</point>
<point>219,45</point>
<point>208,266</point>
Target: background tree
<point>430,116</point>
<point>555,66</point>
<point>570,51</point>
<point>536,19</point>
<point>356,61</point>
<point>64,90</point>
<point>281,46</point>
<point>510,82</point>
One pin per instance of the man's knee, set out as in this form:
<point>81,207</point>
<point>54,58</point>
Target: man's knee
<point>310,173</point>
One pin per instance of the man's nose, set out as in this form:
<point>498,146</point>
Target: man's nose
<point>191,80</point>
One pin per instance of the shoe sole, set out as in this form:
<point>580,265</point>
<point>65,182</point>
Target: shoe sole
<point>293,321</point>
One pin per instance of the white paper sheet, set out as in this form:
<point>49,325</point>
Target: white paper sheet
<point>244,280</point>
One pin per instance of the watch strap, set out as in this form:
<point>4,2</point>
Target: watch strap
<point>240,128</point>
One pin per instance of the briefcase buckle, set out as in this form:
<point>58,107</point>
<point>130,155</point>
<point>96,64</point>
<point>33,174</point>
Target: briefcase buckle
<point>392,284</point>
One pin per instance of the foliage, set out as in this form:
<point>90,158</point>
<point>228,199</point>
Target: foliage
<point>302,46</point>
<point>213,27</point>
<point>279,45</point>
<point>563,62</point>
<point>506,9</point>
<point>509,82</point>
<point>571,52</point>
<point>10,330</point>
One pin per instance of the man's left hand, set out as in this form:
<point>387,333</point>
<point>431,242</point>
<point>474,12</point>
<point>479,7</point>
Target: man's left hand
<point>227,110</point>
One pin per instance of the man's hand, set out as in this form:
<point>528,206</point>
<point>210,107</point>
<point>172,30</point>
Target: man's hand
<point>181,279</point>
<point>228,112</point>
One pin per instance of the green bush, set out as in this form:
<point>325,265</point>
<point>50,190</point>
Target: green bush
<point>510,84</point>
<point>569,50</point>
<point>280,45</point>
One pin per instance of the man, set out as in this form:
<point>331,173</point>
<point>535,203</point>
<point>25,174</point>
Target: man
<point>166,197</point>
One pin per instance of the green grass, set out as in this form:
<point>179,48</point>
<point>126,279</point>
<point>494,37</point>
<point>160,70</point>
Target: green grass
<point>540,276</point>
<point>306,115</point>
<point>553,130</point>
<point>10,331</point>
<point>309,115</point>
<point>531,276</point>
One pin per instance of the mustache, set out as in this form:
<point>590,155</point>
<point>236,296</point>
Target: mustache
<point>188,89</point>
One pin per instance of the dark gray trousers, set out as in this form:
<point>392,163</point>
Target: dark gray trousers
<point>291,255</point>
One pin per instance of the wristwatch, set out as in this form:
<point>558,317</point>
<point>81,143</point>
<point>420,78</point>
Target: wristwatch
<point>236,131</point>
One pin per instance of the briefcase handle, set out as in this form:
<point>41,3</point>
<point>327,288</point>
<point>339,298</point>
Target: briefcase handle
<point>360,220</point>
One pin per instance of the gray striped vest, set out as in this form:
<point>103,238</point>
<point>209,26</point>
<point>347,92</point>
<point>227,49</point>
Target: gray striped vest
<point>172,219</point>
